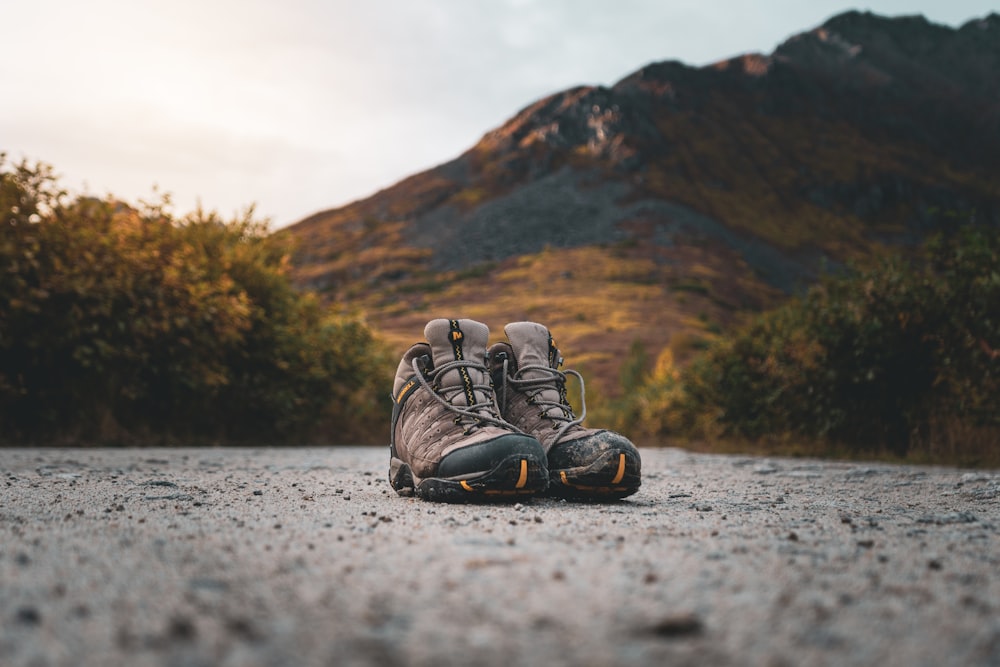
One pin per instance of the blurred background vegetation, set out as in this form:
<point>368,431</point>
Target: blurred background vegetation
<point>121,324</point>
<point>897,359</point>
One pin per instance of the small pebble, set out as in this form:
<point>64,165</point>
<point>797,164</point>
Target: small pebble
<point>29,616</point>
<point>677,625</point>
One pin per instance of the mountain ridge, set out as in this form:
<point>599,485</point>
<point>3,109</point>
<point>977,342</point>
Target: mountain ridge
<point>738,181</point>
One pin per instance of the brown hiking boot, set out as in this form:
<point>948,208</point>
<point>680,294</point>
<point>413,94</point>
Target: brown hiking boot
<point>448,440</point>
<point>582,462</point>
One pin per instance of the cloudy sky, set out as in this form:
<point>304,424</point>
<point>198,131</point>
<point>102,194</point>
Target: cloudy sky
<point>302,105</point>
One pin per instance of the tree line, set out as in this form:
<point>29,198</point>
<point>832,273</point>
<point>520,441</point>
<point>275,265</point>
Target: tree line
<point>899,357</point>
<point>124,324</point>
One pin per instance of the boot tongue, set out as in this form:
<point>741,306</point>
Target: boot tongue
<point>455,340</point>
<point>533,347</point>
<point>531,343</point>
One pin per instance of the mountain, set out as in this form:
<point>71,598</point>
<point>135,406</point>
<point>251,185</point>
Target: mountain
<point>666,207</point>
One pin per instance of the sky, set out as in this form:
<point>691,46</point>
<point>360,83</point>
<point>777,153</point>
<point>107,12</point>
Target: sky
<point>303,105</point>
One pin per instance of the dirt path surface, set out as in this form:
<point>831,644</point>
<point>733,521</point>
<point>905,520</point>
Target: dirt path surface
<point>306,557</point>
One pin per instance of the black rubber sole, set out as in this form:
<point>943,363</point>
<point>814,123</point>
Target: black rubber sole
<point>612,475</point>
<point>515,477</point>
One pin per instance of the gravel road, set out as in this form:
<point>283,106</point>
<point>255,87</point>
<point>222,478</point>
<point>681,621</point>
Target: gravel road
<point>250,557</point>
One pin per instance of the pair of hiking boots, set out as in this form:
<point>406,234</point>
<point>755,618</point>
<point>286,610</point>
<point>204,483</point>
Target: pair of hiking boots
<point>475,424</point>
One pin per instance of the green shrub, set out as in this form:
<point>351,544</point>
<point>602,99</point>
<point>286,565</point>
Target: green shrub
<point>967,294</point>
<point>121,323</point>
<point>876,359</point>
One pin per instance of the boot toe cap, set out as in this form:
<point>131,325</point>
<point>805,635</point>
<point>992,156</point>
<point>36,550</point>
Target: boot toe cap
<point>485,456</point>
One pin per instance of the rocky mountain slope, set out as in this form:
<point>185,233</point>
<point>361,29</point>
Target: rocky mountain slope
<point>667,206</point>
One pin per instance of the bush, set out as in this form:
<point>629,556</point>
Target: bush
<point>967,296</point>
<point>877,359</point>
<point>123,324</point>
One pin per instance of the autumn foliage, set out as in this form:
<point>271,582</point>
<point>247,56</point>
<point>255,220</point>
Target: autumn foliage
<point>900,357</point>
<point>123,324</point>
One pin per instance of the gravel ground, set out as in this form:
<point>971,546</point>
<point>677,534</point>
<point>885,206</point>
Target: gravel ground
<point>306,557</point>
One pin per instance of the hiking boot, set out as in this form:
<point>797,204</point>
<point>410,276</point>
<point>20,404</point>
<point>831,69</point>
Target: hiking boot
<point>582,462</point>
<point>448,441</point>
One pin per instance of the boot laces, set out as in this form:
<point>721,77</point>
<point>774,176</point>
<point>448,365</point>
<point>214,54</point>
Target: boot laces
<point>553,379</point>
<point>473,416</point>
